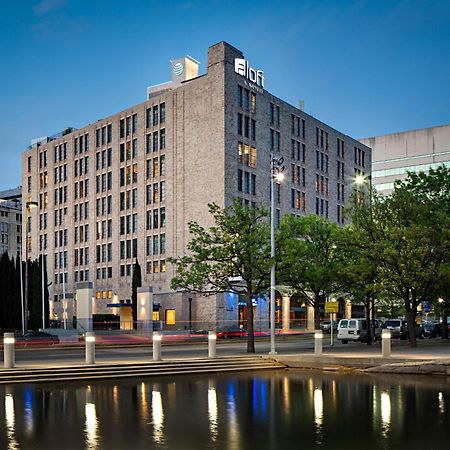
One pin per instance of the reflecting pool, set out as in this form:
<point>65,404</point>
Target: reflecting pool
<point>261,410</point>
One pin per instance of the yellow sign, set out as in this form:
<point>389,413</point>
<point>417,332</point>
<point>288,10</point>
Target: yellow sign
<point>331,307</point>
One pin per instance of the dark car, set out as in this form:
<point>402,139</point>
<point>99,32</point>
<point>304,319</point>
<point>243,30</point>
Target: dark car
<point>37,338</point>
<point>431,329</point>
<point>399,328</point>
<point>326,326</point>
<point>231,332</point>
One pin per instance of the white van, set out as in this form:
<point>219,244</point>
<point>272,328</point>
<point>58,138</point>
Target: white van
<point>355,330</point>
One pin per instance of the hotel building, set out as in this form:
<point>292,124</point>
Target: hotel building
<point>124,188</point>
<point>11,222</point>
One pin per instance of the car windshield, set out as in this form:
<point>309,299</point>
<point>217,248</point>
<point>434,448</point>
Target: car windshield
<point>392,323</point>
<point>343,324</point>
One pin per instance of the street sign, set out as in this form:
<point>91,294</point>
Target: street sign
<point>331,307</point>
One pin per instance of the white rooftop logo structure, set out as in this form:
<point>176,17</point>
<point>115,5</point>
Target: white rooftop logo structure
<point>242,67</point>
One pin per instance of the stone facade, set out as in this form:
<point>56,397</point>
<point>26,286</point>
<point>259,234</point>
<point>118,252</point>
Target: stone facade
<point>195,163</point>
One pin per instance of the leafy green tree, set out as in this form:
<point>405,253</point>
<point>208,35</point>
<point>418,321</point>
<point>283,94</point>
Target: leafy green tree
<point>136,282</point>
<point>358,273</point>
<point>237,246</point>
<point>407,244</point>
<point>309,259</point>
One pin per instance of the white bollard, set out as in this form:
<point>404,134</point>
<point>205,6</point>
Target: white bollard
<point>9,359</point>
<point>157,337</point>
<point>90,347</point>
<point>212,342</point>
<point>386,343</point>
<point>318,342</point>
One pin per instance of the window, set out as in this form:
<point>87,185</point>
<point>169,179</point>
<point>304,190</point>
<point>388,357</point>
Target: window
<point>239,96</point>
<point>239,124</point>
<point>122,128</point>
<point>109,138</point>
<point>135,123</point>
<point>162,113</point>
<point>170,317</point>
<point>155,115</point>
<point>148,117</point>
<point>162,139</point>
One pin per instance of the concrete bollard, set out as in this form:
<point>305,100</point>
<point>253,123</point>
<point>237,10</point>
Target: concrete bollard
<point>157,337</point>
<point>9,359</point>
<point>386,343</point>
<point>318,343</point>
<point>90,347</point>
<point>212,344</point>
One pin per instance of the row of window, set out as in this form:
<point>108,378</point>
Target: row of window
<point>156,167</point>
<point>298,151</point>
<point>298,175</point>
<point>321,184</point>
<point>80,144</point>
<point>103,159</point>
<point>60,174</point>
<point>103,182</point>
<point>128,199</point>
<point>246,182</point>
<point>104,206</point>
<point>61,238</point>
<point>322,161</point>
<point>104,253</point>
<point>359,156</point>
<point>156,218</point>
<point>295,126</point>
<point>103,136</point>
<point>246,127</point>
<point>321,207</point>
<point>246,100</point>
<point>81,257</point>
<point>156,245</point>
<point>155,192</point>
<point>247,155</point>
<point>155,141</point>
<point>81,189</point>
<point>81,211</point>
<point>151,116</point>
<point>104,273</point>
<point>298,200</point>
<point>104,229</point>
<point>321,138</point>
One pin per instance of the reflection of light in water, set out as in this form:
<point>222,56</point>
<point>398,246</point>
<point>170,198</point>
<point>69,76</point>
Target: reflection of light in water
<point>233,430</point>
<point>441,402</point>
<point>385,412</point>
<point>318,407</point>
<point>157,417</point>
<point>29,410</point>
<point>212,412</point>
<point>91,426</point>
<point>144,402</point>
<point>286,395</point>
<point>333,393</point>
<point>10,418</point>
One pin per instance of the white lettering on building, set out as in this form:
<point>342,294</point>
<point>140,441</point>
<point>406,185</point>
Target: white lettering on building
<point>242,67</point>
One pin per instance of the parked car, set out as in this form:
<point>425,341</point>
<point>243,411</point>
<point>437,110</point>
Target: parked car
<point>326,326</point>
<point>356,330</point>
<point>399,328</point>
<point>37,338</point>
<point>231,332</point>
<point>431,329</point>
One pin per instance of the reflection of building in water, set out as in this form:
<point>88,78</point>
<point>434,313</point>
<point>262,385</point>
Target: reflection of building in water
<point>233,427</point>
<point>157,417</point>
<point>144,404</point>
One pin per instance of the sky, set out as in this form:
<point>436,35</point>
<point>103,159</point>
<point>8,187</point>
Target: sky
<point>364,67</point>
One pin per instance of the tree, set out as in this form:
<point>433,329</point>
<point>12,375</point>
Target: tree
<point>308,259</point>
<point>135,283</point>
<point>10,308</point>
<point>407,243</point>
<point>358,273</point>
<point>35,295</point>
<point>237,246</point>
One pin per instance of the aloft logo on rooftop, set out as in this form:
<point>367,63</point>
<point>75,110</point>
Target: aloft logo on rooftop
<point>242,67</point>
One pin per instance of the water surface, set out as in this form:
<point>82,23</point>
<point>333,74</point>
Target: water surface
<point>260,410</point>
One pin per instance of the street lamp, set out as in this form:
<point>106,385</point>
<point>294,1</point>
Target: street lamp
<point>28,207</point>
<point>277,175</point>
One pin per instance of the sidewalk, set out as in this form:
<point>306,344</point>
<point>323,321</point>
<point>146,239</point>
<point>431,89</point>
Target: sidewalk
<point>430,357</point>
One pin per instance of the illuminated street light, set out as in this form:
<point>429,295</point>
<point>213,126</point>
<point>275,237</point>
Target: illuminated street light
<point>277,175</point>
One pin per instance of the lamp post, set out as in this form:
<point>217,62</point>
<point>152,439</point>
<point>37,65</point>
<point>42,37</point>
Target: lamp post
<point>276,174</point>
<point>28,206</point>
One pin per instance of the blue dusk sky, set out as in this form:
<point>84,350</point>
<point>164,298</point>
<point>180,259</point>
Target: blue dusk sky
<point>364,67</point>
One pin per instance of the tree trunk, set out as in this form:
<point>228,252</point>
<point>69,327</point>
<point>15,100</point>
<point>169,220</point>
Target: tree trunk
<point>411,321</point>
<point>368,322</point>
<point>317,313</point>
<point>445,308</point>
<point>250,325</point>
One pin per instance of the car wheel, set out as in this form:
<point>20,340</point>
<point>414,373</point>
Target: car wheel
<point>344,341</point>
